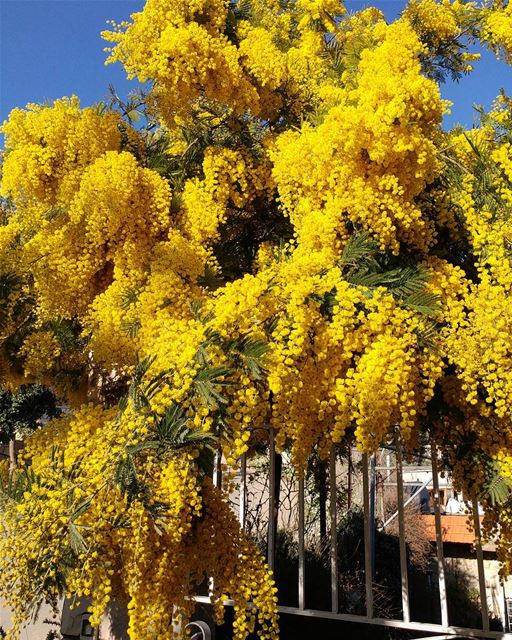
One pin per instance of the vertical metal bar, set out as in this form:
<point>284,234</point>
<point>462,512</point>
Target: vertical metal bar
<point>301,585</point>
<point>380,488</point>
<point>349,476</point>
<point>243,490</point>
<point>439,539</point>
<point>480,565</point>
<point>12,456</point>
<point>367,547</point>
<point>401,529</point>
<point>506,621</point>
<point>217,481</point>
<point>217,469</point>
<point>372,513</point>
<point>271,538</point>
<point>334,529</point>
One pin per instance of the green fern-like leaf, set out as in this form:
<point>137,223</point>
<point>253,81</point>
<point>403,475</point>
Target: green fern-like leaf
<point>126,478</point>
<point>174,433</point>
<point>76,539</point>
<point>151,388</point>
<point>55,213</point>
<point>81,509</point>
<point>173,421</point>
<point>360,247</point>
<point>498,488</point>
<point>131,327</point>
<point>18,484</point>
<point>335,52</point>
<point>135,393</point>
<point>242,9</point>
<point>66,332</point>
<point>129,296</point>
<point>10,283</point>
<point>210,279</point>
<point>423,302</point>
<point>208,384</point>
<point>426,336</point>
<point>250,353</point>
<point>364,265</point>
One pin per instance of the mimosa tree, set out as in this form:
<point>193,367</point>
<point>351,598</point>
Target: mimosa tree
<point>277,233</point>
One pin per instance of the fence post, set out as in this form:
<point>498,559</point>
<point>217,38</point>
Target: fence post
<point>439,539</point>
<point>334,529</point>
<point>367,541</point>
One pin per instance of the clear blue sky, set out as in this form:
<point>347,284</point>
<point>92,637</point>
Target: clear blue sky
<point>52,48</point>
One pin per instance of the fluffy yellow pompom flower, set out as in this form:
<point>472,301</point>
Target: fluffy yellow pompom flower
<point>48,148</point>
<point>497,30</point>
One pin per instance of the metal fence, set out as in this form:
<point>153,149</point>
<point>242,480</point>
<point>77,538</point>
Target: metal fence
<point>405,621</point>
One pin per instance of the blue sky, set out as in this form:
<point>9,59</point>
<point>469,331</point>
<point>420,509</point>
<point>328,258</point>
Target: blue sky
<point>52,48</point>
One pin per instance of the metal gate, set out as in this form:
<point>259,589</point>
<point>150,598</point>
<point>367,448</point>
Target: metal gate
<point>445,629</point>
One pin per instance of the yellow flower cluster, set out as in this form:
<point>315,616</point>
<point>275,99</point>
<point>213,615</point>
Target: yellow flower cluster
<point>48,148</point>
<point>437,19</point>
<point>497,29</point>
<point>184,50</point>
<point>441,26</point>
<point>354,34</point>
<point>262,58</point>
<point>231,182</point>
<point>71,509</point>
<point>360,364</point>
<point>370,157</point>
<point>324,10</point>
<point>122,208</point>
<point>40,350</point>
<point>482,346</point>
<point>191,55</point>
